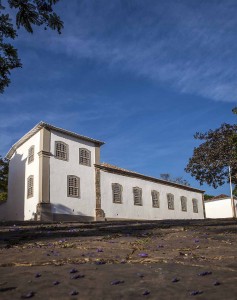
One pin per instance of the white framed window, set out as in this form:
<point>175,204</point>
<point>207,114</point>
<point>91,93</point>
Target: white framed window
<point>117,192</point>
<point>73,186</point>
<point>183,203</point>
<point>170,201</point>
<point>31,154</point>
<point>84,157</point>
<point>155,198</point>
<point>30,186</point>
<point>195,205</point>
<point>137,196</point>
<point>61,150</point>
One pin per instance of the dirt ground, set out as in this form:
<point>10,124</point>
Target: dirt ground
<point>119,260</point>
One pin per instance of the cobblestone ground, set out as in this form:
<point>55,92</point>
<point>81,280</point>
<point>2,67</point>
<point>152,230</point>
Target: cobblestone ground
<point>119,260</point>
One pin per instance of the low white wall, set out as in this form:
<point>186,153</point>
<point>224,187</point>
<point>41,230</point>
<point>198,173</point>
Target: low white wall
<point>219,208</point>
<point>60,169</point>
<point>128,210</point>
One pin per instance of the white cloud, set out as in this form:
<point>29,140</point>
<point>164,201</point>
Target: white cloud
<point>190,47</point>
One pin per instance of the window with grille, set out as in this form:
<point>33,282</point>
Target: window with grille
<point>31,153</point>
<point>84,157</point>
<point>195,206</point>
<point>117,192</point>
<point>170,200</point>
<point>30,186</point>
<point>155,198</point>
<point>73,186</point>
<point>61,150</point>
<point>137,196</point>
<point>183,203</point>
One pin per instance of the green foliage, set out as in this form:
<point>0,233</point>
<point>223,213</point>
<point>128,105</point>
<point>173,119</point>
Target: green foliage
<point>29,13</point>
<point>4,166</point>
<point>3,196</point>
<point>207,197</point>
<point>211,159</point>
<point>178,180</point>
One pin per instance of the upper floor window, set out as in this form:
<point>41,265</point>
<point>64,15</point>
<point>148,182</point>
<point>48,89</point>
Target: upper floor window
<point>61,150</point>
<point>84,157</point>
<point>73,186</point>
<point>183,203</point>
<point>170,200</point>
<point>195,206</point>
<point>117,192</point>
<point>30,186</point>
<point>155,198</point>
<point>31,153</point>
<point>137,196</point>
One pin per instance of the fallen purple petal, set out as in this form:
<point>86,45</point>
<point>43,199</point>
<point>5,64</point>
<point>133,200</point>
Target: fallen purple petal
<point>143,254</point>
<point>140,275</point>
<point>115,282</point>
<point>217,283</point>
<point>194,293</point>
<point>72,271</point>
<point>37,275</point>
<point>74,293</point>
<point>146,293</point>
<point>56,282</point>
<point>205,273</point>
<point>175,280</point>
<point>28,295</point>
<point>100,250</point>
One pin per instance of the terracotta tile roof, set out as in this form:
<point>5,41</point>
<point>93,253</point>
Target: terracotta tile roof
<point>221,196</point>
<point>126,172</point>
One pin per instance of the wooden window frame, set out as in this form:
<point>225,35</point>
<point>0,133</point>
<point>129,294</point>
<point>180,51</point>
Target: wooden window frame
<point>139,196</point>
<point>31,154</point>
<point>195,205</point>
<point>84,160</point>
<point>73,187</point>
<point>30,186</point>
<point>170,200</point>
<point>183,201</point>
<point>57,151</point>
<point>155,196</point>
<point>119,193</point>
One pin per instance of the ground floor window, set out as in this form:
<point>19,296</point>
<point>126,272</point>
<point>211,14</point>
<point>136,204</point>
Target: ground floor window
<point>30,186</point>
<point>73,186</point>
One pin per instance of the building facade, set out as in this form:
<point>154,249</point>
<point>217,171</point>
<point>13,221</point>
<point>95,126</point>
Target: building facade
<point>56,175</point>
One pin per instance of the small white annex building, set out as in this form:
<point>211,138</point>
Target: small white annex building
<point>220,207</point>
<point>55,174</point>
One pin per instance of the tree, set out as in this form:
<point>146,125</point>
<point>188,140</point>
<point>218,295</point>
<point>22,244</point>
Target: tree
<point>4,164</point>
<point>178,180</point>
<point>29,13</point>
<point>211,159</point>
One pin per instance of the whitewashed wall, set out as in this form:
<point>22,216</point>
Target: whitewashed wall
<point>128,210</point>
<point>60,169</point>
<point>219,208</point>
<point>18,207</point>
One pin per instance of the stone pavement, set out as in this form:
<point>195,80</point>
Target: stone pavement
<point>119,260</point>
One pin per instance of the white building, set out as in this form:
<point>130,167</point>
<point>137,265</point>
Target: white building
<point>55,174</point>
<point>220,207</point>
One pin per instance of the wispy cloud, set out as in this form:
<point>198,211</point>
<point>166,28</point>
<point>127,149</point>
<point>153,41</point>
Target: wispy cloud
<point>185,44</point>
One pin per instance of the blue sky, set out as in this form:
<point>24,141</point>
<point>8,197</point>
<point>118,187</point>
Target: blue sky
<point>143,76</point>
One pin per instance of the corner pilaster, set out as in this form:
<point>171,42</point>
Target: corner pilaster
<point>99,213</point>
<point>44,175</point>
